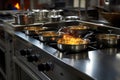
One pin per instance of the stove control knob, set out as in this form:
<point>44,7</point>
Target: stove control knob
<point>33,57</point>
<point>45,66</point>
<point>25,52</point>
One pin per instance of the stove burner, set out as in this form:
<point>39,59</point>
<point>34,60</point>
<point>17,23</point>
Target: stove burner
<point>94,45</point>
<point>90,47</point>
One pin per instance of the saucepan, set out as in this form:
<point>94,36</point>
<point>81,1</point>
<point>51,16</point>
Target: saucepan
<point>55,18</point>
<point>109,40</point>
<point>24,18</point>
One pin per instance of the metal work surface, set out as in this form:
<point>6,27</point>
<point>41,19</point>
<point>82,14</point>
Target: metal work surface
<point>93,64</point>
<point>100,64</point>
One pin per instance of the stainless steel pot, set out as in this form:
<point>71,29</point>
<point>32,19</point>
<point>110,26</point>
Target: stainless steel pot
<point>109,40</point>
<point>72,48</point>
<point>49,36</point>
<point>30,18</point>
<point>72,44</point>
<point>24,18</point>
<point>20,19</point>
<point>55,18</point>
<point>79,30</point>
<point>43,15</point>
<point>72,18</point>
<point>34,30</point>
<point>55,12</point>
<point>36,15</point>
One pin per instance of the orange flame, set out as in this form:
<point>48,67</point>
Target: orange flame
<point>17,6</point>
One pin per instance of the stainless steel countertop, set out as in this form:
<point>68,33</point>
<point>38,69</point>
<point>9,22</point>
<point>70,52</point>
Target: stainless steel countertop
<point>101,64</point>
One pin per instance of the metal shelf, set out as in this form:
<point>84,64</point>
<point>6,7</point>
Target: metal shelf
<point>2,45</point>
<point>2,73</point>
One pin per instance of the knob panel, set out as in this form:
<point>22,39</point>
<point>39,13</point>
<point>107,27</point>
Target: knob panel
<point>33,57</point>
<point>45,66</point>
<point>25,52</point>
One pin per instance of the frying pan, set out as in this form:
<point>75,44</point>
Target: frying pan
<point>109,40</point>
<point>73,47</point>
<point>49,36</point>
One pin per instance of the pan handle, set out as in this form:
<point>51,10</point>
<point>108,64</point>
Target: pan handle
<point>110,31</point>
<point>88,35</point>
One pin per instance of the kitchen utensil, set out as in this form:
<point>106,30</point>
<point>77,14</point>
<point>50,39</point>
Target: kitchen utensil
<point>109,40</point>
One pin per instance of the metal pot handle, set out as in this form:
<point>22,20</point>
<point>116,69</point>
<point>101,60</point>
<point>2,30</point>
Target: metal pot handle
<point>110,31</point>
<point>88,35</point>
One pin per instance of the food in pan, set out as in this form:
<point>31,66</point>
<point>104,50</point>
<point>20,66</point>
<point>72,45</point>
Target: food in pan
<point>68,39</point>
<point>78,27</point>
<point>34,28</point>
<point>49,33</point>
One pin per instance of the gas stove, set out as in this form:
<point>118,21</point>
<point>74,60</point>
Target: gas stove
<point>94,45</point>
<point>38,57</point>
<point>43,61</point>
<point>51,63</point>
<point>46,61</point>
